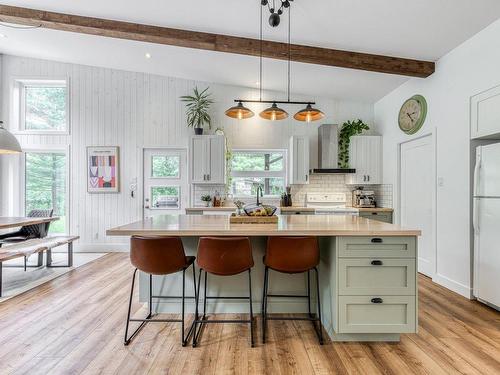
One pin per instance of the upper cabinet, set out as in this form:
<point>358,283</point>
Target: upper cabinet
<point>299,159</point>
<point>485,114</point>
<point>365,155</point>
<point>207,159</point>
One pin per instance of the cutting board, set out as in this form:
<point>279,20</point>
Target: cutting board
<point>253,219</point>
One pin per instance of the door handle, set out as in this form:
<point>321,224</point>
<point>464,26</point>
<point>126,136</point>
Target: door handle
<point>208,177</point>
<point>306,177</point>
<point>368,177</point>
<point>364,177</point>
<point>204,177</point>
<point>377,300</point>
<point>376,263</point>
<point>147,207</point>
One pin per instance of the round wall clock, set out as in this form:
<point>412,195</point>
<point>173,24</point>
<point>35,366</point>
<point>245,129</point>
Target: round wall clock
<point>412,114</point>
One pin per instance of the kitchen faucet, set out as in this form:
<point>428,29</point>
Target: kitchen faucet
<point>259,189</point>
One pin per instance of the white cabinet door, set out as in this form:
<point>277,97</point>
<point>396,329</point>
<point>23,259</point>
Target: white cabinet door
<point>485,114</point>
<point>199,160</point>
<point>299,160</point>
<point>208,159</point>
<point>216,174</point>
<point>365,155</point>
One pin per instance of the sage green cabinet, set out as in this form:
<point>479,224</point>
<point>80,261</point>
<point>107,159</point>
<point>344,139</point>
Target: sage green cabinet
<point>386,247</point>
<point>376,285</point>
<point>366,276</point>
<point>384,216</point>
<point>390,314</point>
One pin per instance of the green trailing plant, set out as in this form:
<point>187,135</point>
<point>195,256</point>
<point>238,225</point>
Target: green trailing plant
<point>197,106</point>
<point>349,129</point>
<point>229,168</point>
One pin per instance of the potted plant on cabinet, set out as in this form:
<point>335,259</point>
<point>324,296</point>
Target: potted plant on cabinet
<point>207,199</point>
<point>197,106</point>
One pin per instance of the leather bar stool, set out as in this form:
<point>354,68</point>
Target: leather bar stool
<point>223,257</point>
<point>159,256</point>
<point>292,255</point>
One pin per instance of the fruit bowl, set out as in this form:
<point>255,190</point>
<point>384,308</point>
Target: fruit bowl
<point>259,210</point>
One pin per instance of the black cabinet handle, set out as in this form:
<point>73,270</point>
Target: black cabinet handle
<point>377,300</point>
<point>376,263</point>
<point>374,213</point>
<point>298,213</point>
<point>376,240</point>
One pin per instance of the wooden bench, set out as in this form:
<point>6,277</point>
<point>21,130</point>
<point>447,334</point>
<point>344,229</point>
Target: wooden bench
<point>34,246</point>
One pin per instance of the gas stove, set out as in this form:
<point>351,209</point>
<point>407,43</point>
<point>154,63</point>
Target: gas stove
<point>330,204</point>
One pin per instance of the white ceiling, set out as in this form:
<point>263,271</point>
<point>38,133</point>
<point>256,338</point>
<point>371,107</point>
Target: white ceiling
<point>423,29</point>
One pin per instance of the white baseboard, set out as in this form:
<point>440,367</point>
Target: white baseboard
<point>101,247</point>
<point>453,285</point>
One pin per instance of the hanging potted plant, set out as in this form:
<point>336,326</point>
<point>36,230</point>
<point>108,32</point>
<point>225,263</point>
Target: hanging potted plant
<point>349,129</point>
<point>197,106</point>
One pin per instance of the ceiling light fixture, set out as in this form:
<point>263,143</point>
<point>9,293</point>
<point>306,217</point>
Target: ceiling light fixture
<point>274,112</point>
<point>8,143</point>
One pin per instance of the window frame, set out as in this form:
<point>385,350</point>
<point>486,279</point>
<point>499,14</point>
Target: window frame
<point>67,194</point>
<point>179,196</point>
<point>262,174</point>
<point>20,98</point>
<point>170,154</point>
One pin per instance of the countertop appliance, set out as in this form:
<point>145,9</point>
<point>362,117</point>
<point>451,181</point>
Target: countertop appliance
<point>486,224</point>
<point>363,198</point>
<point>330,204</point>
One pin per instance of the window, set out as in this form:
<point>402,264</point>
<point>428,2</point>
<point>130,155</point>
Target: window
<point>43,106</point>
<point>45,185</point>
<point>253,168</point>
<point>165,197</point>
<point>165,166</point>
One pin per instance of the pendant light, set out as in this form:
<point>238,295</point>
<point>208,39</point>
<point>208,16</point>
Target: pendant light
<point>274,112</point>
<point>239,112</point>
<point>309,114</point>
<point>8,143</point>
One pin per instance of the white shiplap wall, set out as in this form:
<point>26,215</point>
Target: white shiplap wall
<point>136,110</point>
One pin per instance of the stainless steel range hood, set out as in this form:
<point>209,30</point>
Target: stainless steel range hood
<point>328,151</point>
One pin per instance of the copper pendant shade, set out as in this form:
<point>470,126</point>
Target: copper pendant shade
<point>239,112</point>
<point>309,114</point>
<point>274,113</point>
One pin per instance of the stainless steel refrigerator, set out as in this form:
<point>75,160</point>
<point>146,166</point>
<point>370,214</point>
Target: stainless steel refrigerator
<point>486,223</point>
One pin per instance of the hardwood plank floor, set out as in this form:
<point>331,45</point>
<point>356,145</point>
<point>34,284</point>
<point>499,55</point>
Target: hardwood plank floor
<point>74,325</point>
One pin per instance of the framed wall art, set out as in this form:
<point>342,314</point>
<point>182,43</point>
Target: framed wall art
<point>103,169</point>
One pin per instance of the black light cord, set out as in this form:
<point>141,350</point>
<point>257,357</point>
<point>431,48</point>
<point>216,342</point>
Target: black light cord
<point>289,50</point>
<point>260,71</point>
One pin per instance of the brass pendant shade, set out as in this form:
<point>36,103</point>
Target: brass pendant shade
<point>274,113</point>
<point>239,112</point>
<point>309,114</point>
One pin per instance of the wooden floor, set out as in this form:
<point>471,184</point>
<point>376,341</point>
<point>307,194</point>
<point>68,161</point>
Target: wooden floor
<point>75,324</point>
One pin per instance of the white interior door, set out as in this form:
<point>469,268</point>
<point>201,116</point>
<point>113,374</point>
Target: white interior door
<point>165,181</point>
<point>417,197</point>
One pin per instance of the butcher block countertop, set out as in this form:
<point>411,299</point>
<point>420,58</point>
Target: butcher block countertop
<point>288,225</point>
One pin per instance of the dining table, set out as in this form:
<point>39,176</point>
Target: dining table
<point>19,221</point>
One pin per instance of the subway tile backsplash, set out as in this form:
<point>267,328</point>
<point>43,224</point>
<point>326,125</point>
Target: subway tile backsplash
<point>335,183</point>
<point>318,183</point>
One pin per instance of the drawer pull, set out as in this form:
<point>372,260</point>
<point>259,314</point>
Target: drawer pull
<point>376,263</point>
<point>377,300</point>
<point>376,240</point>
<point>374,213</point>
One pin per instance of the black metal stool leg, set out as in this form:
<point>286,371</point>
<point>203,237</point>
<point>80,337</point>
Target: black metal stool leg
<point>183,343</point>
<point>264,305</point>
<point>251,308</point>
<point>320,326</point>
<point>150,297</point>
<point>309,292</point>
<point>197,329</point>
<point>127,340</point>
<point>192,329</point>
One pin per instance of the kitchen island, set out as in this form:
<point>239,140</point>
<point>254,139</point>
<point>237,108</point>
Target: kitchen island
<point>368,277</point>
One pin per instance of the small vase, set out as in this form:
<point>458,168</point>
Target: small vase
<point>207,204</point>
<point>198,131</point>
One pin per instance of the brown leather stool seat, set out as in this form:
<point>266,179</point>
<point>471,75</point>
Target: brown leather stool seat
<point>223,256</point>
<point>159,256</point>
<point>292,255</point>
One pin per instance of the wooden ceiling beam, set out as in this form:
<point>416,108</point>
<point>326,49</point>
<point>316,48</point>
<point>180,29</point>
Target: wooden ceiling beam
<point>216,42</point>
